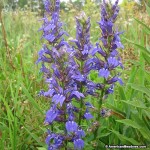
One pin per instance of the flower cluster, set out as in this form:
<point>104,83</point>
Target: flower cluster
<point>67,68</point>
<point>81,50</point>
<point>59,68</point>
<point>109,59</point>
<point>105,55</point>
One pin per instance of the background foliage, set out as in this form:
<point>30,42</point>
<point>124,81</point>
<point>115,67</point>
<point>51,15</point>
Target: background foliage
<point>22,111</point>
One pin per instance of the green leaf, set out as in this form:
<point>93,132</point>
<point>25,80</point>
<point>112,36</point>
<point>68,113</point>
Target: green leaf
<point>2,77</point>
<point>41,148</point>
<point>115,109</point>
<point>122,138</point>
<point>143,49</point>
<point>122,93</point>
<point>135,103</point>
<point>147,9</point>
<point>131,79</point>
<point>35,137</point>
<point>103,135</point>
<point>90,137</point>
<point>145,133</point>
<point>143,24</point>
<point>147,112</point>
<point>129,122</point>
<point>32,100</point>
<point>146,57</point>
<point>140,88</point>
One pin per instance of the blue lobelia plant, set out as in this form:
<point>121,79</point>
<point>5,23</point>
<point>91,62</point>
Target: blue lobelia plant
<point>59,68</point>
<point>67,68</point>
<point>81,54</point>
<point>106,56</point>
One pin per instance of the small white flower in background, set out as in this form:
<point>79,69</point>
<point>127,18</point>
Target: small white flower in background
<point>130,19</point>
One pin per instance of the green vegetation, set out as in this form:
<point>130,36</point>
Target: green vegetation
<point>22,111</point>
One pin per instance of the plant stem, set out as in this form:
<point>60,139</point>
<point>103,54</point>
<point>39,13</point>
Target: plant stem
<point>65,131</point>
<point>81,100</point>
<point>65,118</point>
<point>52,129</point>
<point>98,116</point>
<point>81,105</point>
<point>5,40</point>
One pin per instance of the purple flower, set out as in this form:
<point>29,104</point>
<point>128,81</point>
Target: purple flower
<point>49,137</point>
<point>56,71</point>
<point>110,90</point>
<point>52,29</point>
<point>42,56</point>
<point>116,43</point>
<point>99,50</point>
<point>50,37</point>
<point>104,73</point>
<point>83,36</point>
<point>80,133</point>
<point>77,94</point>
<point>104,41</point>
<point>58,98</point>
<point>79,77</point>
<point>110,59</point>
<point>50,26</point>
<point>112,62</point>
<point>115,79</point>
<point>62,73</point>
<point>78,144</point>
<point>99,86</point>
<point>115,9</point>
<point>54,141</point>
<point>45,70</point>
<point>113,53</point>
<point>51,114</point>
<point>88,65</point>
<point>47,5</point>
<point>90,91</point>
<point>71,126</point>
<point>98,63</point>
<point>106,27</point>
<point>66,70</point>
<point>89,105</point>
<point>88,115</point>
<point>58,142</point>
<point>103,112</point>
<point>49,93</point>
<point>82,40</point>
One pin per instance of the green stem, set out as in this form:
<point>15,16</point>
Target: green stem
<point>5,40</point>
<point>52,129</point>
<point>98,116</point>
<point>65,118</point>
<point>81,105</point>
<point>81,100</point>
<point>100,104</point>
<point>65,131</point>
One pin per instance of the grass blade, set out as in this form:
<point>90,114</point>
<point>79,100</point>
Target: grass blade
<point>32,100</point>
